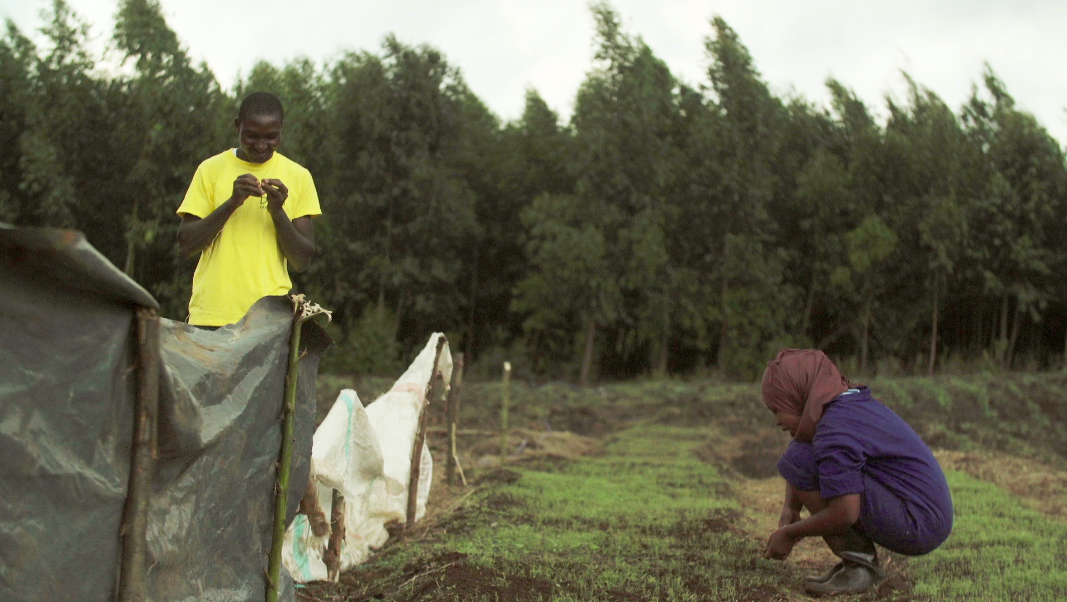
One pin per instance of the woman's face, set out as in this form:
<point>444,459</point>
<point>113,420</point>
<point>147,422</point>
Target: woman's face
<point>787,422</point>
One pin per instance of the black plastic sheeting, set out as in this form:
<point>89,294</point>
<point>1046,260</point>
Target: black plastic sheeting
<point>67,387</point>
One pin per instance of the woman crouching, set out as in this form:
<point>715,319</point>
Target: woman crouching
<point>864,475</point>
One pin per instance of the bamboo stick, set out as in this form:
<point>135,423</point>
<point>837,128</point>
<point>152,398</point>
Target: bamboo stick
<point>454,396</point>
<point>420,439</point>
<point>281,492</point>
<point>133,568</point>
<point>504,414</point>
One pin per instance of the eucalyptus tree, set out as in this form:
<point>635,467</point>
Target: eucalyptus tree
<point>845,181</point>
<point>534,157</point>
<point>756,303</point>
<point>58,100</point>
<point>932,159</point>
<point>1025,188</point>
<point>173,116</point>
<point>625,115</point>
<point>18,58</point>
<point>401,210</point>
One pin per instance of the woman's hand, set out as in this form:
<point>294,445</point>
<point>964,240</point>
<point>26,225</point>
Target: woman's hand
<point>789,516</point>
<point>779,545</point>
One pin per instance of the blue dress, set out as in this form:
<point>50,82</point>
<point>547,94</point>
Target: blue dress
<point>861,446</point>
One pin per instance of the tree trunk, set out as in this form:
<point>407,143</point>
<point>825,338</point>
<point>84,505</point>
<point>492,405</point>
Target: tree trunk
<point>806,321</point>
<point>131,240</point>
<point>388,254</point>
<point>660,369</point>
<point>1065,350</point>
<point>865,337</point>
<point>1001,336</point>
<point>1009,353</point>
<point>587,357</point>
<point>724,334</point>
<point>933,330</point>
<point>468,342</point>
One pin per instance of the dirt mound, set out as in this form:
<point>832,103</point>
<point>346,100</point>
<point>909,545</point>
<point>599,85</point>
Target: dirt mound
<point>528,445</point>
<point>1039,486</point>
<point>750,452</point>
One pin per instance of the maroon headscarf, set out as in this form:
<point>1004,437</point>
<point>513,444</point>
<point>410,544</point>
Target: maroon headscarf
<point>802,382</point>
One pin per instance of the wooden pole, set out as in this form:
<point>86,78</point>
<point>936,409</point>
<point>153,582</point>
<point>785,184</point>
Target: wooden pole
<point>504,414</point>
<point>454,396</point>
<point>337,537</point>
<point>281,493</point>
<point>420,438</point>
<point>134,565</point>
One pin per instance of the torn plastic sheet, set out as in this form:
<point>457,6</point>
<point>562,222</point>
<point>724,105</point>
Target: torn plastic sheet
<point>67,386</point>
<point>366,455</point>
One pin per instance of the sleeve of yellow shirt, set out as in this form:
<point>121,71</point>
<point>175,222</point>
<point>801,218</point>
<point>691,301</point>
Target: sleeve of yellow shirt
<point>308,201</point>
<point>197,201</point>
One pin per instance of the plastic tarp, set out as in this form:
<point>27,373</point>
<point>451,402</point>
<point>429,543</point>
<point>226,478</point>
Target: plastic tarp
<point>67,387</point>
<point>365,453</point>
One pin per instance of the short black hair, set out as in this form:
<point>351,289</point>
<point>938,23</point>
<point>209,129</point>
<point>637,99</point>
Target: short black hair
<point>262,104</point>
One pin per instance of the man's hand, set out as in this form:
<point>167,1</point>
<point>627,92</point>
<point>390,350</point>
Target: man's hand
<point>779,545</point>
<point>277,194</point>
<point>244,186</point>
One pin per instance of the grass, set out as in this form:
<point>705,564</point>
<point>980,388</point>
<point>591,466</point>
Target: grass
<point>998,550</point>
<point>645,520</point>
<point>663,511</point>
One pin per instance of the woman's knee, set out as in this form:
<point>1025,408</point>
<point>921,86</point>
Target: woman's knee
<point>812,499</point>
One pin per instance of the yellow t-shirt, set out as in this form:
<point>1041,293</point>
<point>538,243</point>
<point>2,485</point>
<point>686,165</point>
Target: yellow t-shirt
<point>245,261</point>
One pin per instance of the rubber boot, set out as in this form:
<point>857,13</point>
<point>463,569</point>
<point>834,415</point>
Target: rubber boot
<point>853,541</point>
<point>852,579</point>
<point>825,576</point>
<point>858,570</point>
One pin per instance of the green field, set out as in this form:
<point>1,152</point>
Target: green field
<point>665,490</point>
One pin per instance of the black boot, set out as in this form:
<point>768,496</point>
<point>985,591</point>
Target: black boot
<point>858,570</point>
<point>826,576</point>
<point>853,578</point>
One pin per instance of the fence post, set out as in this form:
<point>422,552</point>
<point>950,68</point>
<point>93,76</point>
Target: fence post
<point>504,414</point>
<point>454,396</point>
<point>420,438</point>
<point>337,537</point>
<point>133,568</point>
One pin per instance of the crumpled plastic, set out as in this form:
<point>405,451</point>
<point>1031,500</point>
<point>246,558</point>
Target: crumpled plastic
<point>67,386</point>
<point>365,454</point>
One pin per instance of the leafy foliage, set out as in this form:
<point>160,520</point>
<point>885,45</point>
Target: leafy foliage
<point>667,227</point>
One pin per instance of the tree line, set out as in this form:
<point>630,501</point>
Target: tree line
<point>666,228</point>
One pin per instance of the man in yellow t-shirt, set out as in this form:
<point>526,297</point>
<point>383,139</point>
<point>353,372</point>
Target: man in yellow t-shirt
<point>248,213</point>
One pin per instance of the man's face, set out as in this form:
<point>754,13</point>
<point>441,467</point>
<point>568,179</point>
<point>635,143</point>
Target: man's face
<point>260,136</point>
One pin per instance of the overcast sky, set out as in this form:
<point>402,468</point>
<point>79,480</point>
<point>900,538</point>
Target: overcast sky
<point>504,47</point>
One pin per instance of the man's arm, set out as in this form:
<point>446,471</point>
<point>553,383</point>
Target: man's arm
<point>195,234</point>
<point>295,237</point>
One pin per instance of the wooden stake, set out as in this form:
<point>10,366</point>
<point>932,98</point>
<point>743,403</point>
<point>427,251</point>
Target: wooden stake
<point>454,396</point>
<point>332,557</point>
<point>504,415</point>
<point>420,438</point>
<point>134,566</point>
